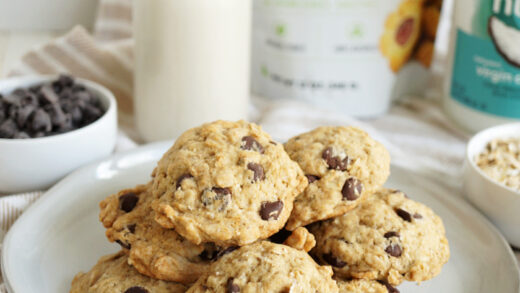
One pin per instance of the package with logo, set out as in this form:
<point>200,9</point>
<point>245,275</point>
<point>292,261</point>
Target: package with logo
<point>483,87</point>
<point>352,56</point>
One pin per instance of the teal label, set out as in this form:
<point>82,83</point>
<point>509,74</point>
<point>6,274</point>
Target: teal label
<point>483,79</point>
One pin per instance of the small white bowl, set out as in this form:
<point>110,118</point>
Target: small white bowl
<point>37,163</point>
<point>500,203</point>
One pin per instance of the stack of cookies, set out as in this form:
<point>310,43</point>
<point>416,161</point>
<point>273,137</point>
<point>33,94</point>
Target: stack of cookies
<point>230,210</point>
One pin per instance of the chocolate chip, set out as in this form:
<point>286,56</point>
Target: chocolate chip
<point>136,289</point>
<point>258,171</point>
<point>389,287</point>
<point>11,111</point>
<point>394,250</point>
<point>124,245</point>
<point>232,287</point>
<point>23,115</point>
<point>76,115</point>
<point>131,228</point>
<point>48,94</point>
<point>67,105</point>
<point>58,118</point>
<point>221,191</point>
<point>327,154</point>
<point>29,99</point>
<point>91,113</point>
<point>417,216</point>
<point>65,80</point>
<point>391,234</point>
<point>352,189</point>
<point>333,260</point>
<point>41,121</point>
<point>271,210</point>
<point>312,178</point>
<point>57,86</point>
<point>78,88</point>
<point>128,201</point>
<point>180,179</point>
<point>8,129</point>
<point>251,144</point>
<point>404,215</point>
<point>2,111</point>
<point>334,162</point>
<point>273,142</point>
<point>35,88</point>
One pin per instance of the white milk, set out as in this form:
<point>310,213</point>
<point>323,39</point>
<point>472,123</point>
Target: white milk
<point>191,63</point>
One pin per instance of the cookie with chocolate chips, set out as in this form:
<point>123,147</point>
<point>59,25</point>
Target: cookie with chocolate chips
<point>365,286</point>
<point>342,166</point>
<point>387,237</point>
<point>112,273</point>
<point>226,183</point>
<point>266,267</point>
<point>153,250</point>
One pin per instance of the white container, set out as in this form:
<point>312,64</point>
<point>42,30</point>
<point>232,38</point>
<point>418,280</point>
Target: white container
<point>500,203</point>
<point>482,87</point>
<point>329,53</point>
<point>192,64</point>
<point>37,163</point>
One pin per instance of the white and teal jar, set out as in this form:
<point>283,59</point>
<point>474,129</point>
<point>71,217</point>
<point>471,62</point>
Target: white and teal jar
<point>483,85</point>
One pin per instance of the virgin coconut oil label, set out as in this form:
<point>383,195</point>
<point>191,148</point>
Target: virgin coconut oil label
<point>486,70</point>
<point>340,54</point>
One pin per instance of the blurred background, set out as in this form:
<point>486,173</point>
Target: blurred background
<point>328,54</point>
<point>27,23</point>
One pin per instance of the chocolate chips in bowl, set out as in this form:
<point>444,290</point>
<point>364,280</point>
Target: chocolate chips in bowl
<point>46,109</point>
<point>51,126</point>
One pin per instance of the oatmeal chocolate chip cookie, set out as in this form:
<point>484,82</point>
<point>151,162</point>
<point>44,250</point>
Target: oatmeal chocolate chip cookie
<point>301,239</point>
<point>402,31</point>
<point>365,286</point>
<point>113,274</point>
<point>342,165</point>
<point>153,250</point>
<point>387,237</point>
<point>266,267</point>
<point>227,183</point>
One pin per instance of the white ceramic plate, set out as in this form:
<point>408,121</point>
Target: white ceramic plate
<point>60,234</point>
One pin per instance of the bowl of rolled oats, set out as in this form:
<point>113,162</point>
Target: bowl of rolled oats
<point>491,177</point>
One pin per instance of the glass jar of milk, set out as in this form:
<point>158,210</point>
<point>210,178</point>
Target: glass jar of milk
<point>483,84</point>
<point>191,64</point>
